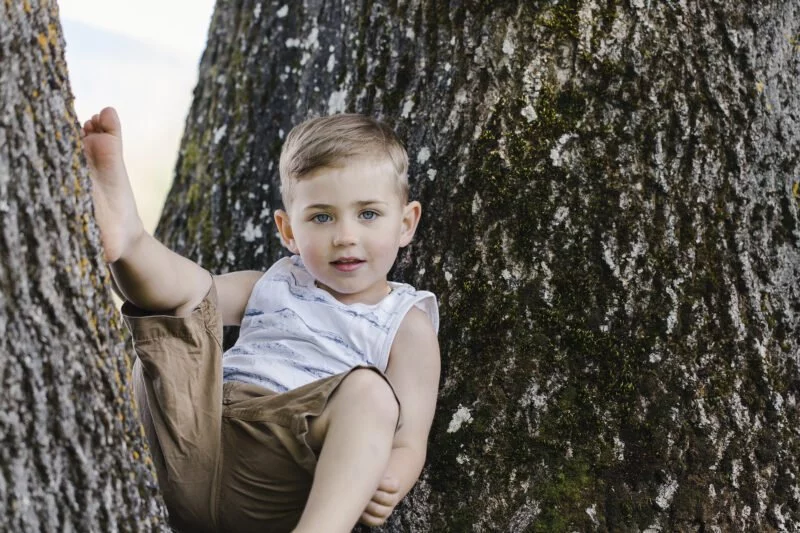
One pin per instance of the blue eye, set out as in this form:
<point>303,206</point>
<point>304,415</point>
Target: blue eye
<point>321,218</point>
<point>369,215</point>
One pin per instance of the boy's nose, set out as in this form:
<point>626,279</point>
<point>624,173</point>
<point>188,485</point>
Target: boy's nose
<point>345,235</point>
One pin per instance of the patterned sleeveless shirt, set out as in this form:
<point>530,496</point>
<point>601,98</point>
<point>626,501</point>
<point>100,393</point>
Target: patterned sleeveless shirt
<point>293,332</point>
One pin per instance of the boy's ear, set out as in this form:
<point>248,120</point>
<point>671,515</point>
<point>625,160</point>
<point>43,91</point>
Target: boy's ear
<point>411,214</point>
<point>285,229</point>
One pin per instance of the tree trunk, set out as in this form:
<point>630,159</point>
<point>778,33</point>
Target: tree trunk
<point>610,221</point>
<point>72,457</point>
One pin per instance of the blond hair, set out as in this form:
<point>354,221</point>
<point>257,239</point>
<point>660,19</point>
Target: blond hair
<point>326,141</point>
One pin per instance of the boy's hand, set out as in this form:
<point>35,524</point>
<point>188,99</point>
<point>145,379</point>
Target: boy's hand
<point>382,504</point>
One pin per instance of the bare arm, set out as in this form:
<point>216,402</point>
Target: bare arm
<point>414,367</point>
<point>234,292</point>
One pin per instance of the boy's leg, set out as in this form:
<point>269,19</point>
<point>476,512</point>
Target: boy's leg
<point>145,271</point>
<point>146,418</point>
<point>181,391</point>
<point>355,433</point>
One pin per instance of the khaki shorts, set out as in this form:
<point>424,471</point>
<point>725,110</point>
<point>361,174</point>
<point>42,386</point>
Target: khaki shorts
<point>229,457</point>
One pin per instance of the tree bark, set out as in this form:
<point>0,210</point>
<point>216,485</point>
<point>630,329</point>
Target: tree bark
<point>610,221</point>
<point>72,457</point>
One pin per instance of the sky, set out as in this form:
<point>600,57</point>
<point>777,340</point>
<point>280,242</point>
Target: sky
<point>142,58</point>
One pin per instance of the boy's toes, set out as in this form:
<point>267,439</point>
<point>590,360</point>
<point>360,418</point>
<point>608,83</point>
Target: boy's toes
<point>108,120</point>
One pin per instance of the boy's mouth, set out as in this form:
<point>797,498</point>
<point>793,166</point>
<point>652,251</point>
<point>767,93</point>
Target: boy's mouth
<point>347,264</point>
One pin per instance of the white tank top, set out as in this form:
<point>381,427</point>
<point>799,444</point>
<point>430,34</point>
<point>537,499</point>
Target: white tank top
<point>293,332</point>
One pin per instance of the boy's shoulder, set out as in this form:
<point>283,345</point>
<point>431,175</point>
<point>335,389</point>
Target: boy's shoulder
<point>416,321</point>
<point>233,292</point>
<point>422,305</point>
<point>415,345</point>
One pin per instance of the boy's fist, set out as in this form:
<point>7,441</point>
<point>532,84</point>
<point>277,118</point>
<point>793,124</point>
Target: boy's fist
<point>382,504</point>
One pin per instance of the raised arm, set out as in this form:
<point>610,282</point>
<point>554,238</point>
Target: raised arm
<point>414,367</point>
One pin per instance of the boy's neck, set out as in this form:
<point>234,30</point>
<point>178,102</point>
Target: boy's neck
<point>344,298</point>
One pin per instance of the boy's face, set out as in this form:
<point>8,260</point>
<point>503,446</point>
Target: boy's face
<point>347,223</point>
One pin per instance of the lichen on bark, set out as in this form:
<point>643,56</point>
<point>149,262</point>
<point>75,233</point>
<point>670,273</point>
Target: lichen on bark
<point>73,456</point>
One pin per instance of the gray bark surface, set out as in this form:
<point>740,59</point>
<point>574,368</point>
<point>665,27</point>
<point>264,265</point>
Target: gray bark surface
<point>609,222</point>
<point>72,457</point>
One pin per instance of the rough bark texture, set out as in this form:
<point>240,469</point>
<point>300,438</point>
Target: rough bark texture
<point>72,456</point>
<point>610,224</point>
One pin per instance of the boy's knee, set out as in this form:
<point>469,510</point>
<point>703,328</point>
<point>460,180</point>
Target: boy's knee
<point>371,390</point>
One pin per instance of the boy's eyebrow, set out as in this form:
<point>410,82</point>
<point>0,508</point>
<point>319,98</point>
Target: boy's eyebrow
<point>370,202</point>
<point>360,203</point>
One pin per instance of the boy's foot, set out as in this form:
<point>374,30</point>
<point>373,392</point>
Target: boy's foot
<point>114,204</point>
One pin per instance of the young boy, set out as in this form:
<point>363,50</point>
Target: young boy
<point>319,416</point>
